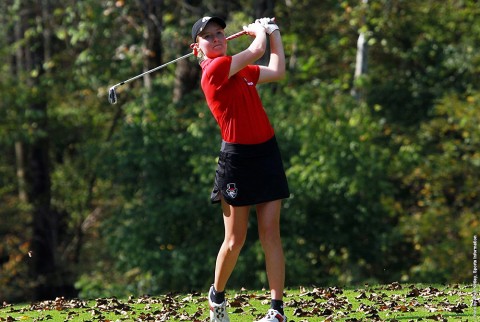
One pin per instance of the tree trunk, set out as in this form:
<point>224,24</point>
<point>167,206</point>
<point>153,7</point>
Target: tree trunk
<point>152,18</point>
<point>361,59</point>
<point>44,239</point>
<point>187,71</point>
<point>264,9</point>
<point>153,37</point>
<point>45,271</point>
<point>17,66</point>
<point>20,164</point>
<point>44,224</point>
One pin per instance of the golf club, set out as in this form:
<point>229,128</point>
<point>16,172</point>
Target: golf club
<point>112,95</point>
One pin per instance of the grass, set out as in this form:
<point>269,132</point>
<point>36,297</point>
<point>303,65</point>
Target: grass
<point>393,302</point>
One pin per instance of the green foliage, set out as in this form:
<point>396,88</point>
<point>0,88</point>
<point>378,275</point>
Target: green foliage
<point>443,216</point>
<point>383,188</point>
<point>425,51</point>
<point>340,184</point>
<point>14,248</point>
<point>157,159</point>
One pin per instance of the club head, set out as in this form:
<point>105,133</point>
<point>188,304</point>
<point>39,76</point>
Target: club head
<point>112,95</point>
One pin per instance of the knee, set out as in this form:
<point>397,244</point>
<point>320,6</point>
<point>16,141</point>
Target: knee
<point>269,234</point>
<point>234,244</point>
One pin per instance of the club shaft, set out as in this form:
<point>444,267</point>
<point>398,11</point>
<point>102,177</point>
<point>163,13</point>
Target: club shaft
<point>236,35</point>
<point>154,69</point>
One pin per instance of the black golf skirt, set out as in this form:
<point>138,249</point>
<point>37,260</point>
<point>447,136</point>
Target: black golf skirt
<point>249,174</point>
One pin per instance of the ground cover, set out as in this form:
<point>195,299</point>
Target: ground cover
<point>394,302</point>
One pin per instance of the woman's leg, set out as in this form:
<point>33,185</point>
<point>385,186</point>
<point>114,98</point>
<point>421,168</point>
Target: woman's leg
<point>236,223</point>
<point>268,215</point>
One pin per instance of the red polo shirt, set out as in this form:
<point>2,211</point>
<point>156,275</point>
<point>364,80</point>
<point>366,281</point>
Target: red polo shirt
<point>234,102</point>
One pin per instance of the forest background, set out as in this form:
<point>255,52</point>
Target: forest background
<point>377,121</point>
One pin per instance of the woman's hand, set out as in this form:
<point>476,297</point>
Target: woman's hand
<point>254,29</point>
<point>268,23</point>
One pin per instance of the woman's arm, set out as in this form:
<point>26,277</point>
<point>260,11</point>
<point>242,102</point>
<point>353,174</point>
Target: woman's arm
<point>276,67</point>
<point>254,52</point>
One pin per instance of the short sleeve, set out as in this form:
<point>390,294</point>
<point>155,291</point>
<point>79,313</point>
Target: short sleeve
<point>216,71</point>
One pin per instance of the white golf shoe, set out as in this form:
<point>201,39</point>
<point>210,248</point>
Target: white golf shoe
<point>273,316</point>
<point>218,312</point>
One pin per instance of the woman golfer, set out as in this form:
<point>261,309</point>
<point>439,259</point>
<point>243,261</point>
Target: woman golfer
<point>250,170</point>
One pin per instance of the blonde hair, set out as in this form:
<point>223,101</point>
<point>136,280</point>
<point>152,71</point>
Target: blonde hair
<point>200,55</point>
<point>197,52</point>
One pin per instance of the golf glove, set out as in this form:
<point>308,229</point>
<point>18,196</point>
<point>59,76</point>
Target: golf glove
<point>269,24</point>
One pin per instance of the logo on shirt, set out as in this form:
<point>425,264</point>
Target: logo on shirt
<point>232,190</point>
<point>248,83</point>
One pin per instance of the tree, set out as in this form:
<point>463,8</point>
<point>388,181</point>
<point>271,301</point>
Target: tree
<point>46,82</point>
<point>442,218</point>
<point>30,59</point>
<point>124,188</point>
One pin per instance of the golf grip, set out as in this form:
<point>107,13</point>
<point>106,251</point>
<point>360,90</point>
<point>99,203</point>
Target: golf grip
<point>236,35</point>
<point>243,32</point>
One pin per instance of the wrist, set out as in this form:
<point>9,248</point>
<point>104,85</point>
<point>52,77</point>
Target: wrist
<point>270,28</point>
<point>273,32</point>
